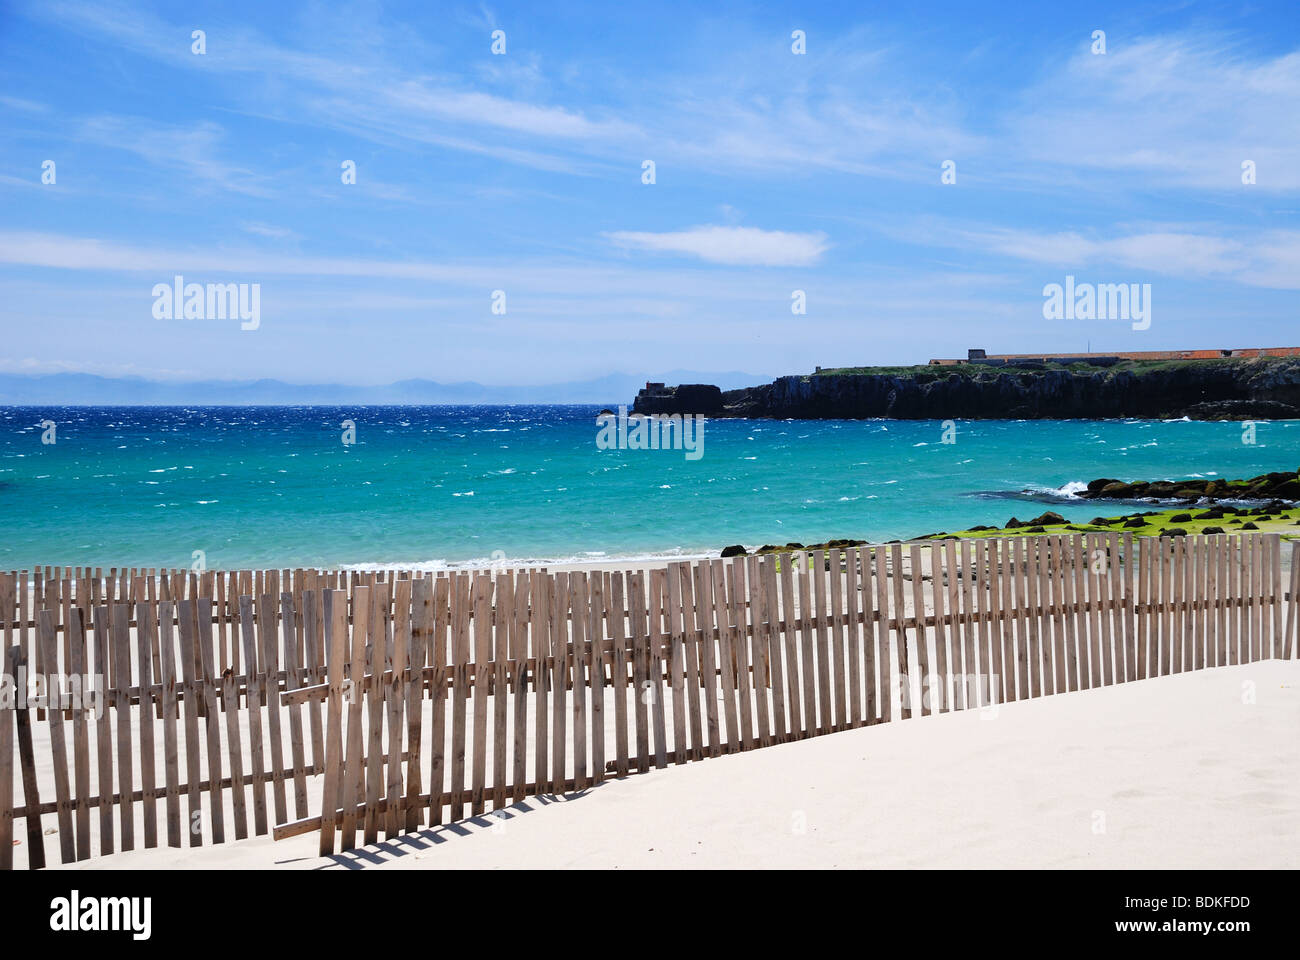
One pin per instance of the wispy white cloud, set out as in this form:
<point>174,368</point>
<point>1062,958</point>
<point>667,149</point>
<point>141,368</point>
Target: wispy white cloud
<point>1268,259</point>
<point>735,246</point>
<point>192,149</point>
<point>1174,110</point>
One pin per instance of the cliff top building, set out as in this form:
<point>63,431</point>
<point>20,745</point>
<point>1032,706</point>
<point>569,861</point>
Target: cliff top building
<point>976,355</point>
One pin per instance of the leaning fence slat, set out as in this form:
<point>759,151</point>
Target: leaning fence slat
<point>558,606</point>
<point>708,655</point>
<point>985,576</point>
<point>254,694</point>
<point>854,626</point>
<point>885,657</point>
<point>48,627</point>
<point>83,695</point>
<point>677,664</point>
<point>125,755</point>
<point>922,641</point>
<point>352,769</point>
<point>739,604</point>
<point>189,659</point>
<point>27,761</point>
<point>658,710</point>
<point>539,621</point>
<point>640,660</point>
<point>1275,592</point>
<point>816,571</point>
<point>790,637</point>
<point>395,701</point>
<point>482,650</point>
<point>784,684</point>
<point>716,578</point>
<point>502,624</point>
<point>167,660</point>
<point>839,664</point>
<point>421,627</point>
<point>519,674</point>
<point>578,616</point>
<point>335,639</point>
<point>438,657</point>
<point>942,697</point>
<point>268,633</point>
<point>596,670</point>
<point>614,616</point>
<point>11,656</point>
<point>460,642</point>
<point>293,680</point>
<point>376,659</point>
<point>1288,644</point>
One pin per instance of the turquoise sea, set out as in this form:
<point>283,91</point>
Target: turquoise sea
<point>427,486</point>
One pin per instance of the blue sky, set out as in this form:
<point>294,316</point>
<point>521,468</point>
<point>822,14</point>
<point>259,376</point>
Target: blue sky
<point>522,172</point>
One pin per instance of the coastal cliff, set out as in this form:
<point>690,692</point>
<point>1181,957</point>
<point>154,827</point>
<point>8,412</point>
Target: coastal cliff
<point>1229,389</point>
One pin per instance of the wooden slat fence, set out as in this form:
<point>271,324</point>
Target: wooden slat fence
<point>286,701</point>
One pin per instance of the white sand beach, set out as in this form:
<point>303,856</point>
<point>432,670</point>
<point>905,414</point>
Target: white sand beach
<point>1197,770</point>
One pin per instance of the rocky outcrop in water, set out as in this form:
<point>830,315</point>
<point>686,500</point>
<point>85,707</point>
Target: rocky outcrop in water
<point>1228,389</point>
<point>1283,485</point>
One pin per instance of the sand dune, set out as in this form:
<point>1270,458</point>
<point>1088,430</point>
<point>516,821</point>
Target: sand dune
<point>1196,770</point>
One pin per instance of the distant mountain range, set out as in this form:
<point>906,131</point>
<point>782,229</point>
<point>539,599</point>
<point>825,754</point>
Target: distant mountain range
<point>83,389</point>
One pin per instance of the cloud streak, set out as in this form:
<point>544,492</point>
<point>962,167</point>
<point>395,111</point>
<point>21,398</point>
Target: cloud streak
<point>733,246</point>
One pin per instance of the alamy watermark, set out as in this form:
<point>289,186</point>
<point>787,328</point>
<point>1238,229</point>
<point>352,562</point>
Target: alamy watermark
<point>1098,301</point>
<point>654,431</point>
<point>179,300</point>
<point>66,691</point>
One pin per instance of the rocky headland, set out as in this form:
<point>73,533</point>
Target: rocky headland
<point>1237,388</point>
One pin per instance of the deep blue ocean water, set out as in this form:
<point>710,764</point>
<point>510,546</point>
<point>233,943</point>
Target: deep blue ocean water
<point>276,486</point>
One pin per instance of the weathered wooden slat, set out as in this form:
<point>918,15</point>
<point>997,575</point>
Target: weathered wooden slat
<point>839,664</point>
<point>421,631</point>
<point>658,709</point>
<point>884,656</point>
<point>1293,600</point>
<point>539,630</point>
<point>502,625</point>
<point>353,694</point>
<point>293,679</point>
<point>335,605</point>
<point>54,698</point>
<point>772,647</point>
<point>817,573</point>
<point>85,697</point>
<point>395,706</point>
<point>125,754</point>
<point>482,651</point>
<point>377,656</point>
<point>800,718</point>
<point>615,623</point>
<point>268,637</point>
<point>942,697</point>
<point>439,657</point>
<point>171,747</point>
<point>579,615</point>
<point>676,664</point>
<point>17,661</point>
<point>854,631</point>
<point>640,638</point>
<point>253,692</point>
<point>12,654</point>
<point>716,580</point>
<point>596,670</point>
<point>557,609</point>
<point>708,656</point>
